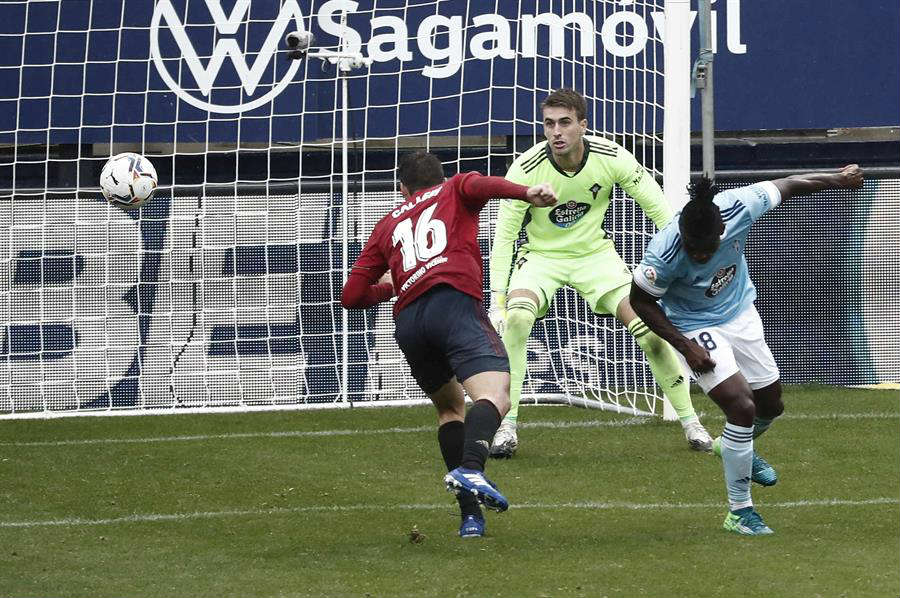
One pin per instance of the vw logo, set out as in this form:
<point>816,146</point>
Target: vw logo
<point>289,18</point>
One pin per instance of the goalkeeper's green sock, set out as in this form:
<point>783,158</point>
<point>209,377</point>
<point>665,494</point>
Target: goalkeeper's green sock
<point>521,313</point>
<point>666,369</point>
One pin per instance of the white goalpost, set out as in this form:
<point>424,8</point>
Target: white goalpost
<point>223,292</point>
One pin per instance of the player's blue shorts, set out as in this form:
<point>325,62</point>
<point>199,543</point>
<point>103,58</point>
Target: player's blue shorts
<point>446,332</point>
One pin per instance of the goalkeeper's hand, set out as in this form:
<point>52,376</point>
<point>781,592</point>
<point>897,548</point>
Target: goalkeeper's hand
<point>497,312</point>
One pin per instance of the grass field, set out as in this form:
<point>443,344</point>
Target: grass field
<point>322,504</point>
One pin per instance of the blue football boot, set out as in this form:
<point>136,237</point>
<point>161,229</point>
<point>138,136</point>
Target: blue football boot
<point>746,522</point>
<point>475,482</point>
<point>762,473</point>
<point>472,527</point>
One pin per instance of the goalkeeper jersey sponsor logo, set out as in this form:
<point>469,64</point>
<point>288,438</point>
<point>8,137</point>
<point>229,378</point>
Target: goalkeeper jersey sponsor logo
<point>720,280</point>
<point>568,214</point>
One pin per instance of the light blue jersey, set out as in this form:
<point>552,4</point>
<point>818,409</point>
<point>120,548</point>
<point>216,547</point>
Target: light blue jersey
<point>697,295</point>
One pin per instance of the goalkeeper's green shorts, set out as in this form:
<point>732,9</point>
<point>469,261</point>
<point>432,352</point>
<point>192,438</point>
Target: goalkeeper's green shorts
<point>602,279</point>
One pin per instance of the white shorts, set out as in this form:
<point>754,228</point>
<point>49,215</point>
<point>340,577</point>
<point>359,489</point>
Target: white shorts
<point>736,346</point>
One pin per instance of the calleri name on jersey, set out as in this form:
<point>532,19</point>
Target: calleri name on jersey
<point>429,240</point>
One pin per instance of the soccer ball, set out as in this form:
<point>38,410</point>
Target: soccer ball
<point>128,180</point>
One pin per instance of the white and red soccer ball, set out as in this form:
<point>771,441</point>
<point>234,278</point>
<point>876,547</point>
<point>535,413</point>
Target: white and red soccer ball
<point>128,180</point>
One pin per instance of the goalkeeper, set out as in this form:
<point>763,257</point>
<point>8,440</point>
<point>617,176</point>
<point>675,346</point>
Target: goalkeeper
<point>568,246</point>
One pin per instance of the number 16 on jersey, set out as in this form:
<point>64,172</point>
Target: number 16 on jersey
<point>428,240</point>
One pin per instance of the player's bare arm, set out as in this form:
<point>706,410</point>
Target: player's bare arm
<point>645,306</point>
<point>849,177</point>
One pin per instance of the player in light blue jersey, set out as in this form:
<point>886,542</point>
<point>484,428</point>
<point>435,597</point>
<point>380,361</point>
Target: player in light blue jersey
<point>693,290</point>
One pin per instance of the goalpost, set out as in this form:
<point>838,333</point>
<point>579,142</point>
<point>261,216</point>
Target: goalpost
<point>222,293</point>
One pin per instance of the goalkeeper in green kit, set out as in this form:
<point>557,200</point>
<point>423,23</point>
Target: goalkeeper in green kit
<point>568,246</point>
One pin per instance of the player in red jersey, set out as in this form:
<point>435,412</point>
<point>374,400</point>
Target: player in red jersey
<point>430,245</point>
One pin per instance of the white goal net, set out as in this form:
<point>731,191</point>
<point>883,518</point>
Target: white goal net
<point>223,291</point>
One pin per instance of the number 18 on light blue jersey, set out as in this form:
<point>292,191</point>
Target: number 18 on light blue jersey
<point>697,295</point>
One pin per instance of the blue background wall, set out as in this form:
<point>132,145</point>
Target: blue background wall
<point>800,64</point>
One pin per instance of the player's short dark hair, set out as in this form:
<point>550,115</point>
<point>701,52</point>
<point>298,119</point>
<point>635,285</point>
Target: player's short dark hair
<point>700,217</point>
<point>420,170</point>
<point>567,98</point>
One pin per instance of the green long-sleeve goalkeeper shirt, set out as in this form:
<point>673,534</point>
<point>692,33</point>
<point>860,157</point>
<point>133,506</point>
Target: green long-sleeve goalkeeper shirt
<point>574,226</point>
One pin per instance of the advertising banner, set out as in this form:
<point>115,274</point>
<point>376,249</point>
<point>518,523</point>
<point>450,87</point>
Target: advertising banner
<point>241,307</point>
<point>215,70</point>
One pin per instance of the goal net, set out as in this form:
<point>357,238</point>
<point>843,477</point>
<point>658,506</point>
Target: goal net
<point>222,292</point>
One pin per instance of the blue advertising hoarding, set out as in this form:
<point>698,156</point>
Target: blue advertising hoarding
<point>164,310</point>
<point>214,70</point>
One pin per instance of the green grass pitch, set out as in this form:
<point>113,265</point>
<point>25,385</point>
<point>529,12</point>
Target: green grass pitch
<point>322,503</point>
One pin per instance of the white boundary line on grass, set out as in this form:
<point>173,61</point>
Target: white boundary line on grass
<point>618,423</point>
<point>590,505</point>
